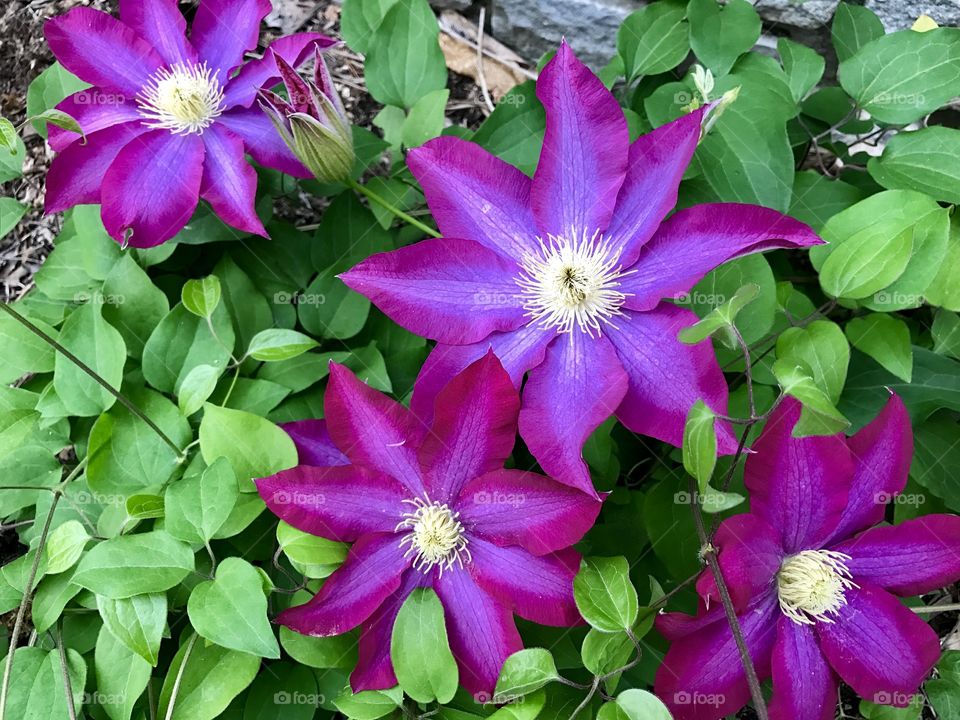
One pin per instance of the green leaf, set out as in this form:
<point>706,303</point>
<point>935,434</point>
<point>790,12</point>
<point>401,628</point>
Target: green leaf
<point>122,676</point>
<point>10,213</point>
<point>723,316</point>
<point>822,348</point>
<point>286,691</point>
<point>23,351</point>
<point>95,342</point>
<point>198,505</point>
<point>817,198</point>
<point>338,651</point>
<point>803,66</point>
<point>65,545</point>
<point>197,387</point>
<point>404,62</point>
<point>47,90</point>
<point>524,672</point>
<point>635,705</point>
<point>944,290</point>
<point>359,20</point>
<point>201,297</point>
<point>858,269</point>
<point>136,622</point>
<point>886,339</point>
<point>853,27</point>
<point>604,594</point>
<point>278,344</point>
<point>654,39</point>
<point>604,653</point>
<point>700,443</point>
<point>370,704</point>
<point>314,556</point>
<point>901,77</point>
<point>340,314</point>
<point>60,119</point>
<point>8,135</point>
<point>946,333</point>
<point>133,304</point>
<point>936,452</point>
<point>254,446</point>
<point>144,506</point>
<point>425,119</point>
<point>212,678</point>
<point>719,35</point>
<point>920,161</point>
<point>134,564</point>
<point>420,651</point>
<point>36,684</point>
<point>944,697</point>
<point>231,610</point>
<point>181,342</point>
<point>528,709</point>
<point>51,597</point>
<point>514,131</point>
<point>126,455</point>
<point>819,416</point>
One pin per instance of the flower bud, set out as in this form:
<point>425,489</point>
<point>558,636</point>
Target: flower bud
<point>312,121</point>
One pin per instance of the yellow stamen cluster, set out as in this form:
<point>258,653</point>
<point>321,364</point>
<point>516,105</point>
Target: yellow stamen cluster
<point>182,98</point>
<point>434,535</point>
<point>811,585</point>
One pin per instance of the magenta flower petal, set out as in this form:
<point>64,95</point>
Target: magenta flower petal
<point>481,630</point>
<point>157,161</point>
<point>473,431</point>
<point>76,173</point>
<point>578,385</point>
<point>94,110</point>
<point>584,155</point>
<point>452,291</point>
<point>370,574</point>
<point>164,24</point>
<point>804,685</point>
<point>882,452</point>
<point>879,647</point>
<point>314,445</point>
<point>223,30</point>
<point>750,556</point>
<point>799,485</point>
<point>537,588</point>
<point>338,503</point>
<point>374,669</point>
<point>694,241</point>
<point>518,351</point>
<point>262,141</point>
<point>515,507</point>
<point>666,376</point>
<point>701,677</point>
<point>294,49</point>
<point>473,194</point>
<point>655,166</point>
<point>912,558</point>
<point>229,182</point>
<point>372,429</point>
<point>101,50</point>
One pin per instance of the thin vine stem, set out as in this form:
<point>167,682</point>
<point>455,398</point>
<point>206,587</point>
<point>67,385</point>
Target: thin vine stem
<point>176,683</point>
<point>93,374</point>
<point>931,609</point>
<point>65,669</point>
<point>710,556</point>
<point>386,205</point>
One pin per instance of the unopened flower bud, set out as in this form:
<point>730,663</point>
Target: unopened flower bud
<point>312,121</point>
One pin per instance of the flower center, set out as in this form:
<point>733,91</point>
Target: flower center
<point>181,98</point>
<point>572,282</point>
<point>811,585</point>
<point>435,536</point>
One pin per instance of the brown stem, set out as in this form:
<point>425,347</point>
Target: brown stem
<point>709,554</point>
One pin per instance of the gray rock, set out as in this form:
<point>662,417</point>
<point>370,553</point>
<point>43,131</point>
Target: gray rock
<point>900,14</point>
<point>808,15</point>
<point>533,27</point>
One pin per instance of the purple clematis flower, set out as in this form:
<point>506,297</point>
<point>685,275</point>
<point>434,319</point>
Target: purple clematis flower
<point>430,505</point>
<point>813,577</point>
<point>564,275</point>
<point>168,119</point>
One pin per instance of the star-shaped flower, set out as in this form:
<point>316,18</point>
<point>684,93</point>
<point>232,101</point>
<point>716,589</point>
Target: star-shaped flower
<point>565,275</point>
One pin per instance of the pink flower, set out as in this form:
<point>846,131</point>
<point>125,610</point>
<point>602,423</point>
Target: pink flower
<point>430,505</point>
<point>168,120</point>
<point>564,275</point>
<point>813,577</point>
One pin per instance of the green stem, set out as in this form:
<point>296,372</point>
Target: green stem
<point>93,374</point>
<point>64,668</point>
<point>374,197</point>
<point>179,678</point>
<point>923,609</point>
